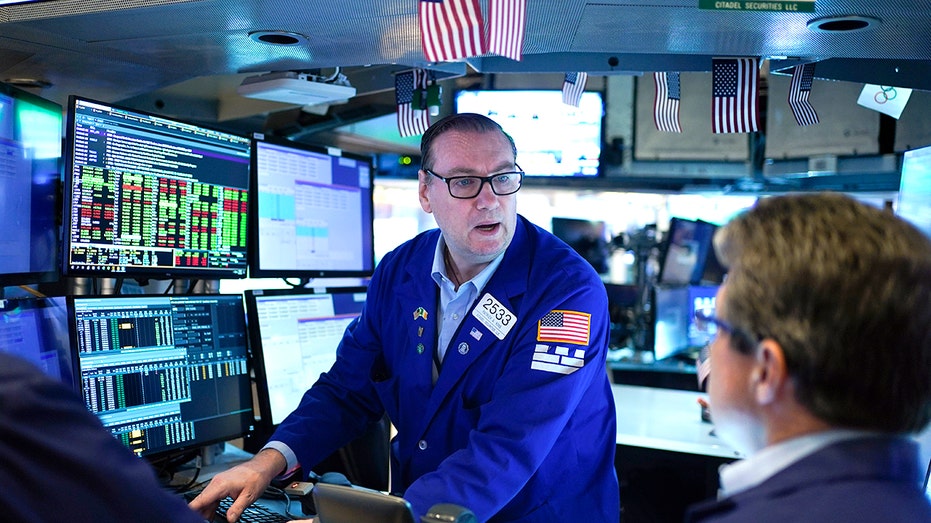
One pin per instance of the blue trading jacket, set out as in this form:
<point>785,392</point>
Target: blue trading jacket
<point>520,426</point>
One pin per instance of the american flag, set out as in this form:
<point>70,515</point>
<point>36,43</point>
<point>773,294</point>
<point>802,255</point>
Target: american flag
<point>800,88</point>
<point>451,29</point>
<point>565,327</point>
<point>573,87</point>
<point>666,102</point>
<point>734,94</point>
<point>506,20</point>
<point>703,365</point>
<point>411,120</point>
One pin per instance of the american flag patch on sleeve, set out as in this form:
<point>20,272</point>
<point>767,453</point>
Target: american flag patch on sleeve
<point>561,360</point>
<point>565,327</point>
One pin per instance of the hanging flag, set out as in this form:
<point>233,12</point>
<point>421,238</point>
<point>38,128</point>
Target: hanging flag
<point>886,99</point>
<point>506,20</point>
<point>800,88</point>
<point>573,87</point>
<point>412,119</point>
<point>451,29</point>
<point>735,86</point>
<point>703,365</point>
<point>666,102</point>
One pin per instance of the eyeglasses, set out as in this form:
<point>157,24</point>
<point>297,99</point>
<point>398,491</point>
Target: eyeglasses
<point>710,325</point>
<point>466,187</point>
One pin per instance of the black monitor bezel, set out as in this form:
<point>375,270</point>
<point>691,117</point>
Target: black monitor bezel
<point>161,273</point>
<point>255,341</point>
<point>164,453</point>
<point>54,274</point>
<point>255,269</point>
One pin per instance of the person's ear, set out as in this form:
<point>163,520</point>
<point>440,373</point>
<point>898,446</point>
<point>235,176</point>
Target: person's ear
<point>422,192</point>
<point>769,375</point>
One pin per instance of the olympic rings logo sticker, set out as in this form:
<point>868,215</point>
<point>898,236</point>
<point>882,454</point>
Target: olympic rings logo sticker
<point>885,94</point>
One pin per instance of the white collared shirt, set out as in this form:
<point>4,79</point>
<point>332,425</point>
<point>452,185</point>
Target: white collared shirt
<point>454,304</point>
<point>765,463</point>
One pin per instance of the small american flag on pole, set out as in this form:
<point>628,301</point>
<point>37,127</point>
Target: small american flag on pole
<point>799,90</point>
<point>703,365</point>
<point>565,327</point>
<point>666,102</point>
<point>735,93</point>
<point>506,20</point>
<point>411,120</point>
<point>572,88</point>
<point>451,29</point>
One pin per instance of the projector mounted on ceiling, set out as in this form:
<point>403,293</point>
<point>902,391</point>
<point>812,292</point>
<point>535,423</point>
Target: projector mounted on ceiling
<point>296,88</point>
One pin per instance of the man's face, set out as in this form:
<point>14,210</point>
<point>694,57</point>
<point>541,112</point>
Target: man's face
<point>478,229</point>
<point>730,388</point>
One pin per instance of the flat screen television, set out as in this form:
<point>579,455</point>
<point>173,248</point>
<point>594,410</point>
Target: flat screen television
<point>36,329</point>
<point>675,334</point>
<point>294,337</point>
<point>589,238</point>
<point>914,198</point>
<point>312,211</point>
<point>152,197</point>
<point>166,374</point>
<point>30,186</point>
<point>552,138</point>
<point>686,252</point>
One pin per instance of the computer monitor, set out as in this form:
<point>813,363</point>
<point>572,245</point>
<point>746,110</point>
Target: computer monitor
<point>165,374</point>
<point>701,298</point>
<point>312,211</point>
<point>552,138</point>
<point>36,329</point>
<point>294,337</point>
<point>685,251</point>
<point>152,197</point>
<point>589,238</point>
<point>30,183</point>
<point>674,331</point>
<point>914,195</point>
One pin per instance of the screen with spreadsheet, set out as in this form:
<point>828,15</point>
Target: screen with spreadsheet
<point>313,211</point>
<point>36,329</point>
<point>152,197</point>
<point>164,373</point>
<point>295,334</point>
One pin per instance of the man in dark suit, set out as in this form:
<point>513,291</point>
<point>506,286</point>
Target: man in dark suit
<point>821,363</point>
<point>58,463</point>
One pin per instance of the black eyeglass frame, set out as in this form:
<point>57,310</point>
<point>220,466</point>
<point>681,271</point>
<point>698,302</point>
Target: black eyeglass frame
<point>482,181</point>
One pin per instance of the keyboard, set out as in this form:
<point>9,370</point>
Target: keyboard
<point>254,513</point>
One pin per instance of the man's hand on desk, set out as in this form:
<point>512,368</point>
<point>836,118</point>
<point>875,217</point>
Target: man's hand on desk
<point>244,483</point>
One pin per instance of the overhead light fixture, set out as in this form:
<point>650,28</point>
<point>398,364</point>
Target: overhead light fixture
<point>842,24</point>
<point>278,37</point>
<point>28,83</point>
<point>296,88</point>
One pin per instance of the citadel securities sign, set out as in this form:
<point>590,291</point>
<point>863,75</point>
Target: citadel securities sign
<point>802,6</point>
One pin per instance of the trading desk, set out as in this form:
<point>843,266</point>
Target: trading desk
<point>666,457</point>
<point>665,419</point>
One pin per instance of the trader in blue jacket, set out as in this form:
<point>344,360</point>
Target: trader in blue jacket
<point>821,364</point>
<point>484,341</point>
